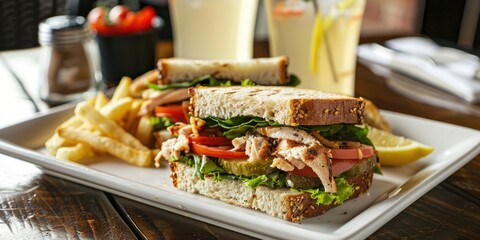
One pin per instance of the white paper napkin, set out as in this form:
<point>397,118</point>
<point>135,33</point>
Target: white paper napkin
<point>421,68</point>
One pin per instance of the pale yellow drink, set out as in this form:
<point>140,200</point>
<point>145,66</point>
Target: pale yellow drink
<point>291,24</point>
<point>213,29</point>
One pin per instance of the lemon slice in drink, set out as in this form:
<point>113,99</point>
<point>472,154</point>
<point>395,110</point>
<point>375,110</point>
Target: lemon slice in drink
<point>396,150</point>
<point>320,27</point>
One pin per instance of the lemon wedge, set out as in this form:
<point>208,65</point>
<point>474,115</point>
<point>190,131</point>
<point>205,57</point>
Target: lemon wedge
<point>396,150</point>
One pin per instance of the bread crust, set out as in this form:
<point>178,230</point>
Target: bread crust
<point>285,105</point>
<point>262,71</point>
<point>282,203</point>
<point>326,111</point>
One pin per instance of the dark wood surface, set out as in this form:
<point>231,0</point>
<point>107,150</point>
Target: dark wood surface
<point>35,205</point>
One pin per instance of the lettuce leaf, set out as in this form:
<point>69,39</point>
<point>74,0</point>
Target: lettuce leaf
<point>344,191</point>
<point>272,180</point>
<point>160,123</point>
<point>293,81</point>
<point>237,126</point>
<point>344,132</point>
<point>210,81</point>
<point>205,166</point>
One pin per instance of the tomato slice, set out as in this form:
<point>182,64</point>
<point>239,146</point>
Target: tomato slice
<point>338,166</point>
<point>211,140</point>
<point>218,151</point>
<point>364,151</point>
<point>174,112</point>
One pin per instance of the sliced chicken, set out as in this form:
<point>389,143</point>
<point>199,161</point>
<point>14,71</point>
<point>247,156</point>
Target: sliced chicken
<point>158,98</point>
<point>257,148</point>
<point>239,143</point>
<point>288,133</point>
<point>309,150</point>
<point>173,148</point>
<point>282,164</point>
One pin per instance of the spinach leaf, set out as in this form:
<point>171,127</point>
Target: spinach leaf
<point>237,126</point>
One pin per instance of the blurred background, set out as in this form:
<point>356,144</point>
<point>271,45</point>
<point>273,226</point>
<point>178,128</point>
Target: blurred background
<point>452,23</point>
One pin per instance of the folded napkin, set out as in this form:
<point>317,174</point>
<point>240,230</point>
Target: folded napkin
<point>419,60</point>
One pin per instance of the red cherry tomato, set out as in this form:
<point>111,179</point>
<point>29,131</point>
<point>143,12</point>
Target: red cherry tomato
<point>211,140</point>
<point>118,14</point>
<point>96,18</point>
<point>96,15</point>
<point>144,18</point>
<point>219,151</point>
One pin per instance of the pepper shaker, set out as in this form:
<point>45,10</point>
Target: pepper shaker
<point>66,66</point>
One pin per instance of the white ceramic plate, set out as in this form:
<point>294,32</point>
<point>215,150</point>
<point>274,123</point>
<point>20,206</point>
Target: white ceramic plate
<point>390,193</point>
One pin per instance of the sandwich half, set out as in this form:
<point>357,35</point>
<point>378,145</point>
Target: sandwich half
<point>291,153</point>
<point>167,86</point>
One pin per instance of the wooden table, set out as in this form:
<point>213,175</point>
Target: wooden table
<point>36,205</point>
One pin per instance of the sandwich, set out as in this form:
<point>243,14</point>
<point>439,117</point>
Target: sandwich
<point>291,153</point>
<point>166,97</point>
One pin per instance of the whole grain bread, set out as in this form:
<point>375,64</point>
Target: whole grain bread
<point>263,71</point>
<point>282,203</point>
<point>286,105</point>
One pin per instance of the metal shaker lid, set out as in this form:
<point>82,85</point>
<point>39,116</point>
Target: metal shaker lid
<point>63,30</point>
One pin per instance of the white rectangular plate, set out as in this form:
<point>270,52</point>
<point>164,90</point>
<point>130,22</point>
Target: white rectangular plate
<point>390,193</point>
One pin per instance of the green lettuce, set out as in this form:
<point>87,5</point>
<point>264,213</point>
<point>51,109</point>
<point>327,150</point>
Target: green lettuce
<point>238,126</point>
<point>272,180</point>
<point>210,81</point>
<point>160,123</point>
<point>344,191</point>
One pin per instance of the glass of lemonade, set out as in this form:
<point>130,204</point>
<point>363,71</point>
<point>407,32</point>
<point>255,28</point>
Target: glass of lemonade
<point>320,38</point>
<point>213,29</point>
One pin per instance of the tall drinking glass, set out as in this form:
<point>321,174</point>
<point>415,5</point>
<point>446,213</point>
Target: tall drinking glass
<point>213,29</point>
<point>320,37</point>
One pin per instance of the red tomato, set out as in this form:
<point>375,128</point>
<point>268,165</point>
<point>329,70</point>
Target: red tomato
<point>353,153</point>
<point>219,151</point>
<point>143,20</point>
<point>128,24</point>
<point>211,140</point>
<point>174,112</point>
<point>338,166</point>
<point>96,15</point>
<point>96,19</point>
<point>118,14</point>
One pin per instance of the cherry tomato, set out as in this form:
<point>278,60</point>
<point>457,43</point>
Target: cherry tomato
<point>144,18</point>
<point>96,18</point>
<point>96,15</point>
<point>174,112</point>
<point>353,153</point>
<point>219,151</point>
<point>211,140</point>
<point>118,14</point>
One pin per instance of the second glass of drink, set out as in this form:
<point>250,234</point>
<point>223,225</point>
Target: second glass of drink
<point>213,29</point>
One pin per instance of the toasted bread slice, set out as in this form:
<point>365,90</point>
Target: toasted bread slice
<point>282,203</point>
<point>262,71</point>
<point>285,105</point>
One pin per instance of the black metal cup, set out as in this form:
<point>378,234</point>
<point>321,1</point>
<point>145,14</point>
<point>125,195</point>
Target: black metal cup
<point>126,55</point>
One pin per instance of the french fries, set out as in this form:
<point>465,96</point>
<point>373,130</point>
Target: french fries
<point>75,153</point>
<point>105,126</point>
<point>142,158</point>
